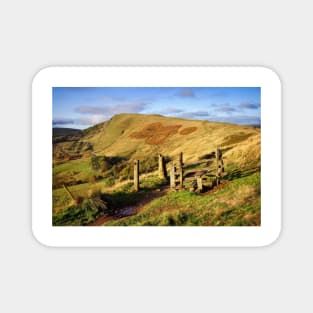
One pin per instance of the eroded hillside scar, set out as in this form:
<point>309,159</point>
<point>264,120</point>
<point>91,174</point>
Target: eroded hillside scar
<point>158,133</point>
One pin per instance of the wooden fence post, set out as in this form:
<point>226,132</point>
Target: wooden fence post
<point>222,164</point>
<point>199,184</point>
<point>181,162</point>
<point>219,165</point>
<point>181,171</point>
<point>217,158</point>
<point>172,176</point>
<point>136,175</point>
<point>217,155</point>
<point>162,168</point>
<point>181,178</point>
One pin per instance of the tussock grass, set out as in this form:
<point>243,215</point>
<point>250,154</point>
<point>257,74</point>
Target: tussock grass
<point>86,211</point>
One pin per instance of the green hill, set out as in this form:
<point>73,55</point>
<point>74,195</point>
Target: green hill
<point>100,157</point>
<point>138,135</point>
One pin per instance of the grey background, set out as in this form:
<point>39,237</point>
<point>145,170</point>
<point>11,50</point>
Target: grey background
<point>35,34</point>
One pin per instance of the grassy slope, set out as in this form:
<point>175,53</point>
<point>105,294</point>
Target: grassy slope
<point>114,137</point>
<point>241,143</point>
<point>241,146</point>
<point>216,208</point>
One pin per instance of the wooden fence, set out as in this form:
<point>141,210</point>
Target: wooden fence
<point>176,177</point>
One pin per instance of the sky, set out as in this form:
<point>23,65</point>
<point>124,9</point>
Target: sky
<point>82,107</point>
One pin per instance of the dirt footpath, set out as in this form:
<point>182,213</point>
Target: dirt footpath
<point>131,210</point>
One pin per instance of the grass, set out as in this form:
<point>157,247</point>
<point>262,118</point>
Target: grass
<point>91,198</point>
<point>77,174</point>
<point>83,213</point>
<point>60,198</point>
<point>72,172</point>
<point>237,203</point>
<point>234,204</point>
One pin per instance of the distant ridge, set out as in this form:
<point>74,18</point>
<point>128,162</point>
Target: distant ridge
<point>62,131</point>
<point>255,125</point>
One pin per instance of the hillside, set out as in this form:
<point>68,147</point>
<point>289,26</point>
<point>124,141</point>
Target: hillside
<point>99,160</point>
<point>138,135</point>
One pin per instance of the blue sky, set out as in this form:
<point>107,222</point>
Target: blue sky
<point>82,107</point>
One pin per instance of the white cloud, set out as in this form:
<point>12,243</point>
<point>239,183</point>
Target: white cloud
<point>111,109</point>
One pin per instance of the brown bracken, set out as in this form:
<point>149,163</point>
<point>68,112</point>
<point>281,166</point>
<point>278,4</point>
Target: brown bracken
<point>156,133</point>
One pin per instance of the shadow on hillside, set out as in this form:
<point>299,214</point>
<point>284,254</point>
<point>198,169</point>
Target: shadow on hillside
<point>210,156</point>
<point>118,200</point>
<point>126,203</point>
<point>241,173</point>
<point>225,149</point>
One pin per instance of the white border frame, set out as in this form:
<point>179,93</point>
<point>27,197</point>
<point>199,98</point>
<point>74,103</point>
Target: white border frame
<point>131,236</point>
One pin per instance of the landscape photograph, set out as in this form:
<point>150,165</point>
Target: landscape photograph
<point>156,156</point>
